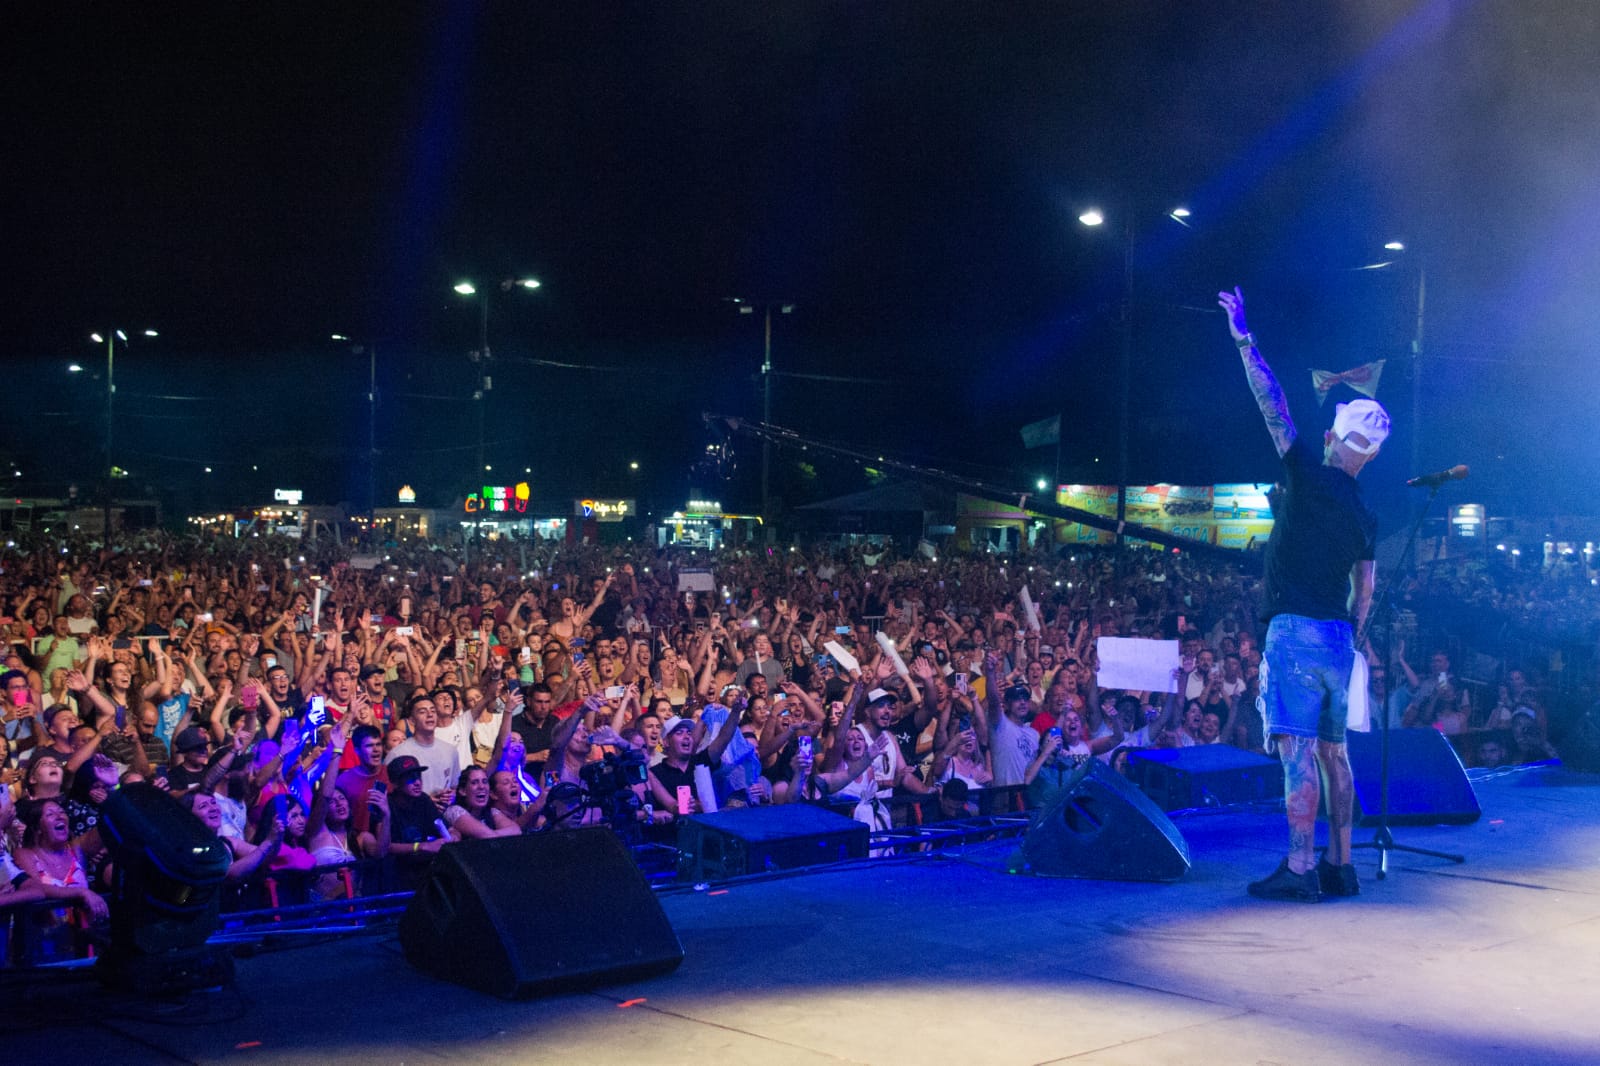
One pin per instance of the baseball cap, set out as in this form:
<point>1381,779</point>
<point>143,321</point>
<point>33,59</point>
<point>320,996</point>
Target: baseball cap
<point>672,725</point>
<point>404,766</point>
<point>1018,692</point>
<point>879,694</point>
<point>370,669</point>
<point>191,739</point>
<point>1366,417</point>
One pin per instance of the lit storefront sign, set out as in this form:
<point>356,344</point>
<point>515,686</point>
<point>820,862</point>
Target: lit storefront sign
<point>604,510</point>
<point>408,494</point>
<point>292,497</point>
<point>498,499</point>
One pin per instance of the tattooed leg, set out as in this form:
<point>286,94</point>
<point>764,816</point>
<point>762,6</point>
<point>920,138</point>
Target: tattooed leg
<point>1334,759</point>
<point>1302,792</point>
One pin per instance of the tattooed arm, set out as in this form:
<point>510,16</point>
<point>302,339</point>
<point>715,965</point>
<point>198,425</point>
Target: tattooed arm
<point>1269,395</point>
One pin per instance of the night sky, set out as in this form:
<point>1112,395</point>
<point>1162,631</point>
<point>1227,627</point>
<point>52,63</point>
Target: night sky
<point>249,179</point>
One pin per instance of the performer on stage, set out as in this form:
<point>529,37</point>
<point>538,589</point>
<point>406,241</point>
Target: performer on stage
<point>1318,582</point>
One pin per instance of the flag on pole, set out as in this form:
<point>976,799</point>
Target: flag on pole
<point>1044,432</point>
<point>1364,379</point>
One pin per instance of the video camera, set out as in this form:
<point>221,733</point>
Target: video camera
<point>608,785</point>
<point>617,772</point>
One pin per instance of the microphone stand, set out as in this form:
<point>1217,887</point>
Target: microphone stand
<point>1383,839</point>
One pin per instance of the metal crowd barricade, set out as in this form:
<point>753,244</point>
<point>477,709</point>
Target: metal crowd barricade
<point>372,891</point>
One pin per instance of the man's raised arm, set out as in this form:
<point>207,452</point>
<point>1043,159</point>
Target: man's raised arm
<point>1268,393</point>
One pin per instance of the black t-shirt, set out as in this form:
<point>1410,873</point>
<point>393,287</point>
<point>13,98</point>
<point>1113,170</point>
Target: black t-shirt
<point>535,735</point>
<point>906,734</point>
<point>412,819</point>
<point>672,778</point>
<point>1321,528</point>
<point>180,778</point>
<point>605,615</point>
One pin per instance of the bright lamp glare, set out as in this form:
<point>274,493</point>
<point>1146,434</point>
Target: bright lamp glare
<point>121,336</point>
<point>1041,484</point>
<point>338,337</point>
<point>74,368</point>
<point>529,283</point>
<point>151,333</point>
<point>1395,246</point>
<point>1091,217</point>
<point>1180,212</point>
<point>97,338</point>
<point>465,288</point>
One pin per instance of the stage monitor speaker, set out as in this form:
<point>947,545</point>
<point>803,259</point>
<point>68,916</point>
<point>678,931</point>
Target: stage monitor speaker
<point>749,840</point>
<point>167,878</point>
<point>1580,744</point>
<point>1207,775</point>
<point>1101,827</point>
<point>530,915</point>
<point>1427,783</point>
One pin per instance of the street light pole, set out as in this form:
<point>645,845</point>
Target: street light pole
<point>372,420</point>
<point>485,381</point>
<point>1125,374</point>
<point>110,341</point>
<point>111,397</point>
<point>372,434</point>
<point>766,417</point>
<point>484,384</point>
<point>1093,218</point>
<point>1416,367</point>
<point>746,307</point>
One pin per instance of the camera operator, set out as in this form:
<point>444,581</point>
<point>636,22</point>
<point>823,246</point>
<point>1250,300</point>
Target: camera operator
<point>572,748</point>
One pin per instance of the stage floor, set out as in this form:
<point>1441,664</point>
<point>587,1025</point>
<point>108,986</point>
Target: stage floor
<point>949,959</point>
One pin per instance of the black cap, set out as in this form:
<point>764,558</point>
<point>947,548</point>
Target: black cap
<point>404,766</point>
<point>191,739</point>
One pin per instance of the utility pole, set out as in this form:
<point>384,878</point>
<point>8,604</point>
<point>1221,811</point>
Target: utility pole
<point>747,307</point>
<point>372,434</point>
<point>111,397</point>
<point>766,417</point>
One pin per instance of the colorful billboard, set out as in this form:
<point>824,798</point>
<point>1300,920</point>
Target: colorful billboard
<point>1230,515</point>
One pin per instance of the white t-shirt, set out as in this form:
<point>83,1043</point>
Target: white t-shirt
<point>1014,747</point>
<point>441,759</point>
<point>458,734</point>
<point>484,734</point>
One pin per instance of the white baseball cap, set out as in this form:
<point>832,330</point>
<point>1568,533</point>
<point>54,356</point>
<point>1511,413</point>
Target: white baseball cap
<point>1366,417</point>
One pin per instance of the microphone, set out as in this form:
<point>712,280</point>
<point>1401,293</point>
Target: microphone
<point>1433,481</point>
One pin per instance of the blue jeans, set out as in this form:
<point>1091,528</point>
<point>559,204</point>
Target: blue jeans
<point>1305,677</point>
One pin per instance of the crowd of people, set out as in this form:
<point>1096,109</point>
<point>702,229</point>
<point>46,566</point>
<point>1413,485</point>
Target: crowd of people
<point>319,712</point>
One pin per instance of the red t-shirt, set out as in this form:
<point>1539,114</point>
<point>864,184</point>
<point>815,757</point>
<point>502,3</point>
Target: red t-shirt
<point>355,783</point>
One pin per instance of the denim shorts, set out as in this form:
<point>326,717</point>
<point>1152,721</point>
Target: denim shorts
<point>1305,677</point>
